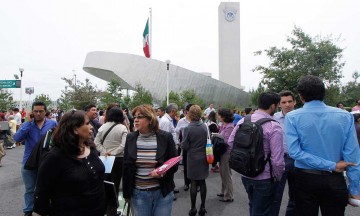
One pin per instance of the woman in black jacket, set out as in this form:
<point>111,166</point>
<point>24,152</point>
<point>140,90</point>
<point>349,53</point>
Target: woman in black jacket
<point>146,149</point>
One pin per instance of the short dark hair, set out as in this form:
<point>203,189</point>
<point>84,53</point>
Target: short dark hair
<point>266,99</point>
<point>47,114</point>
<point>38,103</point>
<point>212,116</point>
<point>226,115</point>
<point>247,110</point>
<point>187,107</point>
<point>162,109</point>
<point>115,114</point>
<point>88,107</point>
<point>311,88</point>
<point>64,135</point>
<point>338,104</point>
<point>16,109</point>
<point>285,93</point>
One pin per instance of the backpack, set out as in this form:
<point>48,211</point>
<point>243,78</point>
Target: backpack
<point>220,147</point>
<point>247,156</point>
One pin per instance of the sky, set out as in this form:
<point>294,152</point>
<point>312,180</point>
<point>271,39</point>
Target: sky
<point>50,39</point>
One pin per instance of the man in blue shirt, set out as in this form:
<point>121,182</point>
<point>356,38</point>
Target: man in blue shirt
<point>322,141</point>
<point>31,132</point>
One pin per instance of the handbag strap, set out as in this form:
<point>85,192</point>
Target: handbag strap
<point>107,132</point>
<point>208,132</point>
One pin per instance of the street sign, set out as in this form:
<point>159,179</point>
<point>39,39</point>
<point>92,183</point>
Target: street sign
<point>10,84</point>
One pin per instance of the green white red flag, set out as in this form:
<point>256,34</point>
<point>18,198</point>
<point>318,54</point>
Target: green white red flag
<point>146,41</point>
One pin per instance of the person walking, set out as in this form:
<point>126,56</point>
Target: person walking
<point>194,142</point>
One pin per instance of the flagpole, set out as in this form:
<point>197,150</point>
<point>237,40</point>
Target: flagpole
<point>150,32</point>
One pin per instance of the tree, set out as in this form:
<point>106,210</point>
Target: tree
<point>254,94</point>
<point>141,96</point>
<point>173,98</point>
<point>6,101</point>
<point>189,96</point>
<point>112,93</point>
<point>307,56</point>
<point>350,92</point>
<point>80,94</point>
<point>44,98</point>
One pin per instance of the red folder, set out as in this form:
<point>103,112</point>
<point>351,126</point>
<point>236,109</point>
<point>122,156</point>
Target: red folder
<point>167,165</point>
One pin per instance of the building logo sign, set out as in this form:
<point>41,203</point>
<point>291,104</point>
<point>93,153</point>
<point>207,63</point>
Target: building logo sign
<point>230,14</point>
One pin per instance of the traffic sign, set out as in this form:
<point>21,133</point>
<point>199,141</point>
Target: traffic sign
<point>10,84</point>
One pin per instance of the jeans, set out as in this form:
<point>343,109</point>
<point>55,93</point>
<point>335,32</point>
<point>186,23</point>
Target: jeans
<point>289,176</point>
<point>151,203</point>
<point>261,195</point>
<point>329,192</point>
<point>29,179</point>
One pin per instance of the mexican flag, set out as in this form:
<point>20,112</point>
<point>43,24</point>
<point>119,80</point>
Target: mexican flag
<point>146,42</point>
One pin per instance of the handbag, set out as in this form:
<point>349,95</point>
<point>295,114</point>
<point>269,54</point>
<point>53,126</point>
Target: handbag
<point>209,148</point>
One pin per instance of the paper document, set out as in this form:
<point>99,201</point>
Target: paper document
<point>108,162</point>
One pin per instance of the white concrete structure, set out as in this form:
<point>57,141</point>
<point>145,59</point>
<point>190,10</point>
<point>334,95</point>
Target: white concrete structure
<point>229,43</point>
<point>151,74</point>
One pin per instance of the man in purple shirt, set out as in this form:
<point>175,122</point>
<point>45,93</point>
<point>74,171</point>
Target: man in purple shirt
<point>261,189</point>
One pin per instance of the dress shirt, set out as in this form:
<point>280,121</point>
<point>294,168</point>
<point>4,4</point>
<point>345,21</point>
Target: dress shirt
<point>32,134</point>
<point>280,117</point>
<point>318,136</point>
<point>166,124</point>
<point>183,123</point>
<point>273,139</point>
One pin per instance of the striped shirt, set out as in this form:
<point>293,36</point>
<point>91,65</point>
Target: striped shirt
<point>146,161</point>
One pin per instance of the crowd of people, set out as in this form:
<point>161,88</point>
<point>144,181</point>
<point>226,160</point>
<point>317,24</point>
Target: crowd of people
<point>310,148</point>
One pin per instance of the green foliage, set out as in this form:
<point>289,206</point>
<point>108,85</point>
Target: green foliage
<point>6,101</point>
<point>254,95</point>
<point>78,95</point>
<point>350,92</point>
<point>142,96</point>
<point>173,98</point>
<point>44,98</point>
<point>189,96</point>
<point>125,102</point>
<point>307,56</point>
<point>183,98</point>
<point>112,93</point>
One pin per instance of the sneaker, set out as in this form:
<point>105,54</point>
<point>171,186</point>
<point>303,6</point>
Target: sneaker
<point>9,147</point>
<point>14,145</point>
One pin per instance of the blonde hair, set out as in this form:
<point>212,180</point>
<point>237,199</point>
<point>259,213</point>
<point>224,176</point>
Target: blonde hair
<point>150,114</point>
<point>194,113</point>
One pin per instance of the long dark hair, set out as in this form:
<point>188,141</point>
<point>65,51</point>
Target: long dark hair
<point>64,136</point>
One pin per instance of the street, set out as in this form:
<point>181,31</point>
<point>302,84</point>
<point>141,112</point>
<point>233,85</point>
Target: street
<point>11,196</point>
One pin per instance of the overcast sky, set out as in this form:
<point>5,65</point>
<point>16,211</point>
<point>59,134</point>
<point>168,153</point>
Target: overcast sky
<point>50,39</point>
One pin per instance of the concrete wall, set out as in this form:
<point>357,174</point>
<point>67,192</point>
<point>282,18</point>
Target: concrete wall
<point>151,74</point>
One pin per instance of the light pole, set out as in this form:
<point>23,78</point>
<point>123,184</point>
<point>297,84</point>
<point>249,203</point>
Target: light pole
<point>21,73</point>
<point>74,78</point>
<point>167,81</point>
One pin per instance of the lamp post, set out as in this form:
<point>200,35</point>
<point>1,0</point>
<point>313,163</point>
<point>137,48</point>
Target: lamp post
<point>167,81</point>
<point>21,74</point>
<point>74,78</point>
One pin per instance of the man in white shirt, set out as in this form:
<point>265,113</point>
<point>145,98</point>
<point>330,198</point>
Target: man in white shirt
<point>17,117</point>
<point>208,110</point>
<point>166,124</point>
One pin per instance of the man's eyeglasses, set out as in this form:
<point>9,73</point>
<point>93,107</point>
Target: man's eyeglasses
<point>139,117</point>
<point>38,111</point>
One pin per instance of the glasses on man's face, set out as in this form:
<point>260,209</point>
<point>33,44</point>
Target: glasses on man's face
<point>139,117</point>
<point>38,111</point>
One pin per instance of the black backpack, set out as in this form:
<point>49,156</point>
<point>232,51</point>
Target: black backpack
<point>247,156</point>
<point>220,147</point>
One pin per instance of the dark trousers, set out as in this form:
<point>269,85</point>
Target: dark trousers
<point>329,192</point>
<point>261,195</point>
<point>115,176</point>
<point>184,159</point>
<point>289,176</point>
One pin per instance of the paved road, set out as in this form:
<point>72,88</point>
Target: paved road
<point>11,192</point>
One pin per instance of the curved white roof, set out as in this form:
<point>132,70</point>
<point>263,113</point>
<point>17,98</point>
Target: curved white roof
<point>151,74</point>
